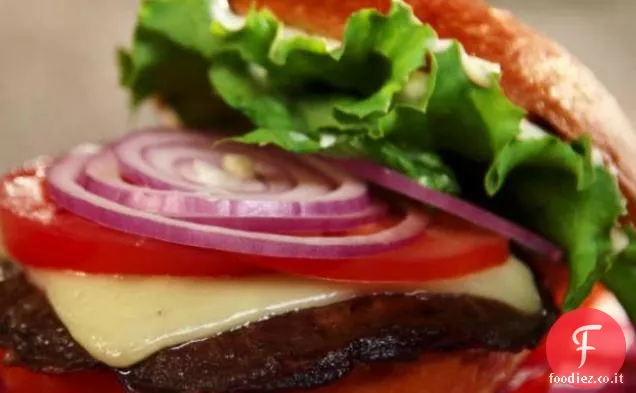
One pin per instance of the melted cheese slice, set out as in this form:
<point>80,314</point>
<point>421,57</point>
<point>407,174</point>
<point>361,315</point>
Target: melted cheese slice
<point>122,320</point>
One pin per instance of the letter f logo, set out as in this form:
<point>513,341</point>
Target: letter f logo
<point>584,348</point>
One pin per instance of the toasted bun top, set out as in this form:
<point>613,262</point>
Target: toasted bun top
<point>538,74</point>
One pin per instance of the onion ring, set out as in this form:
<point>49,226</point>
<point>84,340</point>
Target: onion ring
<point>81,183</point>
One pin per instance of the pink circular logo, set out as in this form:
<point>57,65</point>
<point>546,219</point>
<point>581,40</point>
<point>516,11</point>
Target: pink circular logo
<point>586,348</point>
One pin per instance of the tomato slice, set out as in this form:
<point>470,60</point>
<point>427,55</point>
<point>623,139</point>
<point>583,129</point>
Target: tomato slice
<point>20,380</point>
<point>450,248</point>
<point>39,234</point>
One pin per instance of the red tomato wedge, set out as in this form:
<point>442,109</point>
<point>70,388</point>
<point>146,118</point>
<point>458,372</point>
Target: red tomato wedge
<point>39,234</point>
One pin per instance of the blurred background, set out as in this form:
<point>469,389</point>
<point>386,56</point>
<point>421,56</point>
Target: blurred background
<point>58,80</point>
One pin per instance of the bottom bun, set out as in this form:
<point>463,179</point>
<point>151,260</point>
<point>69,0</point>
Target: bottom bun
<point>19,380</point>
<point>458,372</point>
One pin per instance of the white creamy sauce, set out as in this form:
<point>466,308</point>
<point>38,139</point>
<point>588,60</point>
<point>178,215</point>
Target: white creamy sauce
<point>220,11</point>
<point>619,239</point>
<point>239,166</point>
<point>327,140</point>
<point>441,45</point>
<point>597,157</point>
<point>298,137</point>
<point>259,73</point>
<point>206,173</point>
<point>479,70</point>
<point>122,320</point>
<point>416,88</point>
<point>601,159</point>
<point>531,131</point>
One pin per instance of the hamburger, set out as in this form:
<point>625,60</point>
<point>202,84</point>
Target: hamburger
<point>353,196</point>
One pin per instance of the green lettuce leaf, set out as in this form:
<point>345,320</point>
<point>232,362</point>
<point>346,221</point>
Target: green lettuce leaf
<point>579,220</point>
<point>621,276</point>
<point>390,93</point>
<point>168,63</point>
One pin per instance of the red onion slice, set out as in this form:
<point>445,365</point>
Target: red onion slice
<point>311,186</point>
<point>307,224</point>
<point>101,176</point>
<point>69,194</point>
<point>401,184</point>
